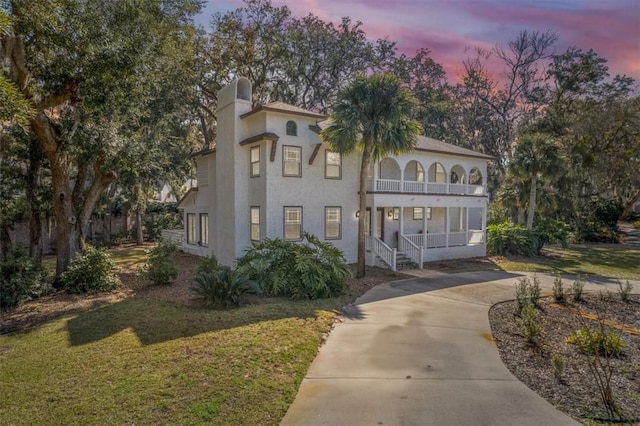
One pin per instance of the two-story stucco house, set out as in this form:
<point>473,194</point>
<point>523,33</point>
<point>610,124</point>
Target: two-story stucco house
<point>270,175</point>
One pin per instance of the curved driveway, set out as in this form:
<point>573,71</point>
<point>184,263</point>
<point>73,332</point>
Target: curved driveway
<point>420,352</point>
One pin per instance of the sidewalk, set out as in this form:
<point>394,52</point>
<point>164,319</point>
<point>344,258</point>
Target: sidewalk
<point>420,352</point>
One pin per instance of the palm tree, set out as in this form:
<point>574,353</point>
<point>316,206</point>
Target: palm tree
<point>373,115</point>
<point>535,158</point>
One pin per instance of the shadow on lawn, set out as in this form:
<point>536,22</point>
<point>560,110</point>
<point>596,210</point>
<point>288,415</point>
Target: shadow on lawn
<point>158,321</point>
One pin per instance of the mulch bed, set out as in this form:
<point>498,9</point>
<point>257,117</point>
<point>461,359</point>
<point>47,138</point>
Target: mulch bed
<point>575,390</point>
<point>59,304</point>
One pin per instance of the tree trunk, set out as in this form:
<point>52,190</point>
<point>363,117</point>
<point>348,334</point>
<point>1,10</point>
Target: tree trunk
<point>139,235</point>
<point>35,216</point>
<point>364,169</point>
<point>521,215</point>
<point>5,242</point>
<point>532,201</point>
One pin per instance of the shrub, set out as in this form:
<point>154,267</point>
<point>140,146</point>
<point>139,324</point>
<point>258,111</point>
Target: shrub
<point>576,289</point>
<point>527,292</point>
<point>558,365</point>
<point>207,264</point>
<point>90,272</point>
<point>160,268</point>
<point>558,289</point>
<point>530,324</point>
<point>222,286</point>
<point>154,224</point>
<point>624,290</point>
<point>597,342</point>
<point>636,224</point>
<point>507,238</point>
<point>550,231</point>
<point>308,270</point>
<point>20,279</point>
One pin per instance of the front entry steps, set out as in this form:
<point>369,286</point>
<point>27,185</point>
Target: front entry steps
<point>404,262</point>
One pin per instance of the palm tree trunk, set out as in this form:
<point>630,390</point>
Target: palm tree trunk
<point>532,201</point>
<point>364,169</point>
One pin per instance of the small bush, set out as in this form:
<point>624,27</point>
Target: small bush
<point>576,289</point>
<point>558,365</point>
<point>527,292</point>
<point>222,286</point>
<point>624,290</point>
<point>550,231</point>
<point>597,342</point>
<point>207,264</point>
<point>558,289</point>
<point>90,272</point>
<point>154,224</point>
<point>308,270</point>
<point>530,323</point>
<point>636,224</point>
<point>20,279</point>
<point>507,238</point>
<point>160,268</point>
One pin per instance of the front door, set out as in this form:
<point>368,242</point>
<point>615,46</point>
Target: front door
<point>379,223</point>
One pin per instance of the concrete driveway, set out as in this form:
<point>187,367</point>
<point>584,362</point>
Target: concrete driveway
<point>420,352</point>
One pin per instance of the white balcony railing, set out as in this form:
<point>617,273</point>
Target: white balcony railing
<point>392,185</point>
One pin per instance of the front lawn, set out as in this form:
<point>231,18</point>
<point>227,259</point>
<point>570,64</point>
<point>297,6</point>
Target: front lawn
<point>155,356</point>
<point>606,260</point>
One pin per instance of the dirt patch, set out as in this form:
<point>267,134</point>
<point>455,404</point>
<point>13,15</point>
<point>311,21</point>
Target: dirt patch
<point>574,389</point>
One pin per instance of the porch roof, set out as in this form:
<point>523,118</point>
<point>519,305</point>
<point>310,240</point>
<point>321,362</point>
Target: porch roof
<point>425,143</point>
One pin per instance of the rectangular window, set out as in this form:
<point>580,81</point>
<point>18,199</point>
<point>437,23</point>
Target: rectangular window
<point>332,223</point>
<point>332,165</point>
<point>293,223</point>
<point>418,213</point>
<point>291,161</point>
<point>428,213</point>
<point>191,228</point>
<point>255,161</point>
<point>255,223</point>
<point>204,229</point>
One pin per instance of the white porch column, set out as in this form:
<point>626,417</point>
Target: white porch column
<point>446,224</point>
<point>424,226</point>
<point>466,226</point>
<point>484,223</point>
<point>401,224</point>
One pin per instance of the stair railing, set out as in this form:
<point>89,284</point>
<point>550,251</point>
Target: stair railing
<point>383,251</point>
<point>411,250</point>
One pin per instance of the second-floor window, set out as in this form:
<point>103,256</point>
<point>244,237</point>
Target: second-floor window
<point>255,161</point>
<point>292,128</point>
<point>333,165</point>
<point>291,161</point>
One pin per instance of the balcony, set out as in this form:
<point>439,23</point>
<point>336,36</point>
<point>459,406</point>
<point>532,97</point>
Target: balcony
<point>398,186</point>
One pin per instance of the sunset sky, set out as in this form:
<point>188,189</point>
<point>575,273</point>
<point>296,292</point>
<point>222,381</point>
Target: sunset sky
<point>447,28</point>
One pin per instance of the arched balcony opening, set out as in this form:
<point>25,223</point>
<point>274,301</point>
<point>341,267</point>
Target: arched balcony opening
<point>475,183</point>
<point>457,180</point>
<point>413,177</point>
<point>390,176</point>
<point>437,179</point>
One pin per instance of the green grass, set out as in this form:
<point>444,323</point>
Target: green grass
<point>598,260</point>
<point>149,362</point>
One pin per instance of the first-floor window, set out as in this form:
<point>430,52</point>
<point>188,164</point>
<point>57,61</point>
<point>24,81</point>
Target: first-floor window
<point>255,223</point>
<point>292,223</point>
<point>418,213</point>
<point>204,229</point>
<point>191,228</point>
<point>332,223</point>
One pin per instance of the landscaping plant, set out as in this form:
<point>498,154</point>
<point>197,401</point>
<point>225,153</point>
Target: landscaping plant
<point>576,289</point>
<point>160,268</point>
<point>90,272</point>
<point>311,269</point>
<point>20,279</point>
<point>624,290</point>
<point>558,289</point>
<point>529,323</point>
<point>220,285</point>
<point>527,292</point>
